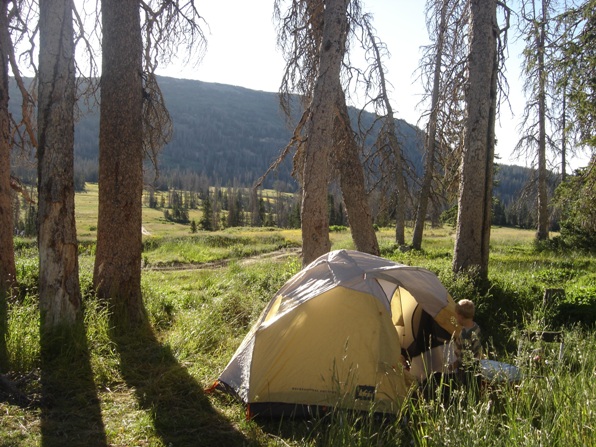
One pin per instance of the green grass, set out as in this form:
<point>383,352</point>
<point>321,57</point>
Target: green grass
<point>146,388</point>
<point>213,247</point>
<point>554,407</point>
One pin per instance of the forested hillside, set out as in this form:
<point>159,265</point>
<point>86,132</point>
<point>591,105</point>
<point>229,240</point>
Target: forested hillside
<point>229,136</point>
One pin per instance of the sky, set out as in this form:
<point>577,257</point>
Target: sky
<point>242,51</point>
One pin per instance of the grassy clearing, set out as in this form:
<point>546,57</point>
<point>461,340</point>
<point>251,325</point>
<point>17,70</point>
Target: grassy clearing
<point>224,245</point>
<point>146,388</point>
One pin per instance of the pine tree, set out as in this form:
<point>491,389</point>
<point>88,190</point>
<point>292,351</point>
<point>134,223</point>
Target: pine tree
<point>206,222</point>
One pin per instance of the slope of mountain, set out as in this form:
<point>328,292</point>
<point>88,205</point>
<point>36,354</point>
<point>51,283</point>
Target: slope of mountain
<point>230,135</point>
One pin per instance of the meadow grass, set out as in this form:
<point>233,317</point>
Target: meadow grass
<point>146,388</point>
<point>552,406</point>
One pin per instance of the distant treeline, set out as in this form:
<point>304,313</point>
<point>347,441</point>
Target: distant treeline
<point>227,137</point>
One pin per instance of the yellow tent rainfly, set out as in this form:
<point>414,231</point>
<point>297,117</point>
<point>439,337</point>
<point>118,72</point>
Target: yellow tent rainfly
<point>339,333</point>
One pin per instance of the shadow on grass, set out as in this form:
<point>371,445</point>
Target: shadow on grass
<point>70,407</point>
<point>182,415</point>
<point>338,428</point>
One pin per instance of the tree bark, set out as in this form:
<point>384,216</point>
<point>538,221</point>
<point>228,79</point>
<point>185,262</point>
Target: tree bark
<point>400,204</point>
<point>117,271</point>
<point>389,137</point>
<point>320,132</point>
<point>474,205</point>
<point>490,157</point>
<point>542,229</point>
<point>7,260</point>
<point>351,177</point>
<point>564,136</point>
<point>431,135</point>
<point>59,290</point>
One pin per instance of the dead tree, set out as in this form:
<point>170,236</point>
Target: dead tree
<point>444,64</point>
<point>314,35</point>
<point>475,192</point>
<point>59,290</point>
<point>14,28</point>
<point>133,122</point>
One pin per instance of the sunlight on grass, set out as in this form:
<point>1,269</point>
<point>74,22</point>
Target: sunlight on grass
<point>213,247</point>
<point>204,291</point>
<point>22,342</point>
<point>552,408</point>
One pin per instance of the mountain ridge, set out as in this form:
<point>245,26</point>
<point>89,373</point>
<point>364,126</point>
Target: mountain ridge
<point>230,135</point>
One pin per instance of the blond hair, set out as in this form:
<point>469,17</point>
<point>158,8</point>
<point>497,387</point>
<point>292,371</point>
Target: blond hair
<point>465,308</point>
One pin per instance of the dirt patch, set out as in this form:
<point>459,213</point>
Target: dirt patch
<point>277,255</point>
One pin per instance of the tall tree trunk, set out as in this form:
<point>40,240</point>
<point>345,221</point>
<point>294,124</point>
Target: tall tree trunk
<point>117,271</point>
<point>431,135</point>
<point>564,79</point>
<point>320,131</point>
<point>351,176</point>
<point>400,204</point>
<point>424,196</point>
<point>542,230</point>
<point>59,290</point>
<point>474,205</point>
<point>7,261</point>
<point>388,135</point>
<point>490,157</point>
<point>564,137</point>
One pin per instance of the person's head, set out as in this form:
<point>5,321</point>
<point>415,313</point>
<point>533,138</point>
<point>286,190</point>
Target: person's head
<point>465,309</point>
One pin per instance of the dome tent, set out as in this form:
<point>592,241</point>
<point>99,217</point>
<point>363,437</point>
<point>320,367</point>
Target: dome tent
<point>336,334</point>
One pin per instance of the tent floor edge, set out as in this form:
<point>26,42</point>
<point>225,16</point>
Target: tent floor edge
<point>281,410</point>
